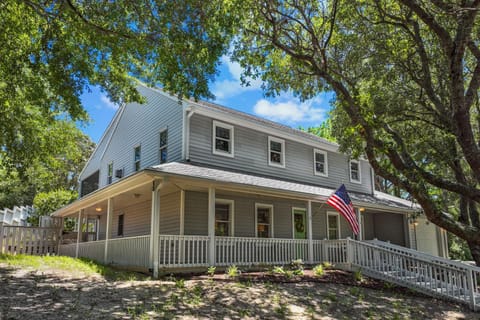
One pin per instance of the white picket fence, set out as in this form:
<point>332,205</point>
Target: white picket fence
<point>28,240</point>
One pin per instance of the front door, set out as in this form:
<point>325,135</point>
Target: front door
<point>299,224</point>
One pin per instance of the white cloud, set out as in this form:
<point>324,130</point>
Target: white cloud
<point>291,110</point>
<point>232,85</point>
<point>106,102</point>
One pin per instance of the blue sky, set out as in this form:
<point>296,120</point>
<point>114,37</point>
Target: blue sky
<point>229,92</point>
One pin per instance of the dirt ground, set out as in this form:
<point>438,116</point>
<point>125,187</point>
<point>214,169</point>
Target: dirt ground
<point>54,294</point>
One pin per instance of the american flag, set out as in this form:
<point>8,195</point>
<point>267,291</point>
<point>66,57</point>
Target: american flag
<point>342,203</point>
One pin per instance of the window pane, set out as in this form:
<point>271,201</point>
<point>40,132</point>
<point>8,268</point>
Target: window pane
<point>275,146</point>
<point>222,145</point>
<point>110,169</point>
<point>163,138</point>
<point>320,157</point>
<point>332,222</point>
<point>137,165</point>
<point>222,133</point>
<point>354,166</point>
<point>355,175</point>
<point>222,212</point>
<point>263,230</point>
<point>263,215</point>
<point>332,234</point>
<point>320,167</point>
<point>275,157</point>
<point>163,155</point>
<point>137,153</point>
<point>222,229</point>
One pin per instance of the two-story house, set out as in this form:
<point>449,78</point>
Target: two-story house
<point>185,184</point>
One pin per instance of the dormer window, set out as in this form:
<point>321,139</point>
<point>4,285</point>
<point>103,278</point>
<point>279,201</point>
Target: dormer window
<point>222,139</point>
<point>320,163</point>
<point>355,175</point>
<point>276,152</point>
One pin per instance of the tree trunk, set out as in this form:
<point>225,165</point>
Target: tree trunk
<point>475,251</point>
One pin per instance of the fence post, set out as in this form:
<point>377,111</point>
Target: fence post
<point>1,237</point>
<point>349,252</point>
<point>471,288</point>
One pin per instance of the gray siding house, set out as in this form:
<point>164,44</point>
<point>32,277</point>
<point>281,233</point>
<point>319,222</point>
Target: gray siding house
<point>186,184</point>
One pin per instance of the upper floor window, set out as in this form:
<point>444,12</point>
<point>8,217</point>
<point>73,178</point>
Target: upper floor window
<point>136,157</point>
<point>223,218</point>
<point>320,163</point>
<point>163,146</point>
<point>110,172</point>
<point>333,225</point>
<point>276,152</point>
<point>264,220</point>
<point>355,171</point>
<point>222,139</point>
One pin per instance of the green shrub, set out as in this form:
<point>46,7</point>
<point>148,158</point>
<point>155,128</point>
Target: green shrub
<point>327,265</point>
<point>233,271</point>
<point>318,271</point>
<point>211,271</point>
<point>358,276</point>
<point>278,270</point>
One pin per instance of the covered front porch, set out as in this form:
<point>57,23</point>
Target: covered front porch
<point>185,216</point>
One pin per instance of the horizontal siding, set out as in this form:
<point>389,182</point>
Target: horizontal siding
<point>140,124</point>
<point>170,213</point>
<point>136,220</point>
<point>196,215</point>
<point>251,155</point>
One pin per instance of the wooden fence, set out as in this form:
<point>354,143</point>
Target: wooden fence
<point>29,240</point>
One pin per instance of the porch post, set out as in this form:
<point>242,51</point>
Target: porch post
<point>79,231</point>
<point>155,228</point>
<point>360,226</point>
<point>182,226</point>
<point>309,232</point>
<point>108,227</point>
<point>211,226</point>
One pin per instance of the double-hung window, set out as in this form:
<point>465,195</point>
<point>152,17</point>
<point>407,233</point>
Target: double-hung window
<point>276,152</point>
<point>320,163</point>
<point>110,172</point>
<point>355,175</point>
<point>222,139</point>
<point>163,146</point>
<point>264,220</point>
<point>136,157</point>
<point>333,225</point>
<point>223,218</point>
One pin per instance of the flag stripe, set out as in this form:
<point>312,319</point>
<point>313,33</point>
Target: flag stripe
<point>341,202</point>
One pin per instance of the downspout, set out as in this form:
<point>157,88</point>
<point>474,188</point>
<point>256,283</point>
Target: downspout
<point>189,114</point>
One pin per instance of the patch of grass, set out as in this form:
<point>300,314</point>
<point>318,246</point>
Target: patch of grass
<point>78,267</point>
<point>358,276</point>
<point>211,271</point>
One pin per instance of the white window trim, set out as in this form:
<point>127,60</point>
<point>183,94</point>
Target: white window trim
<point>214,136</point>
<point>264,205</point>
<point>315,151</point>
<point>334,213</point>
<point>359,181</point>
<point>139,161</point>
<point>164,147</point>
<point>293,221</point>
<point>282,155</point>
<point>231,215</point>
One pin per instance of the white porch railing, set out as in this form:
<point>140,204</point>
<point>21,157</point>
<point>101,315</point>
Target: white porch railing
<point>255,251</point>
<point>131,251</point>
<point>94,250</point>
<point>183,251</point>
<point>333,251</point>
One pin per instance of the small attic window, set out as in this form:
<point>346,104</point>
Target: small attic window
<point>222,139</point>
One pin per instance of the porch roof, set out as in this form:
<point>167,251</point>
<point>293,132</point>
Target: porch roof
<point>217,175</point>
